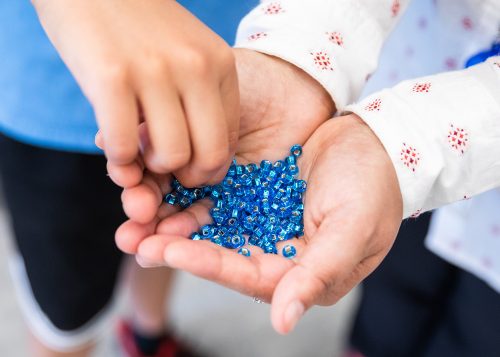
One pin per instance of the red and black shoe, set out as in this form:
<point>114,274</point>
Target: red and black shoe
<point>169,346</point>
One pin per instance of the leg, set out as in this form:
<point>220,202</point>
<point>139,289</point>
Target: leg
<point>403,299</point>
<point>149,291</point>
<point>64,213</point>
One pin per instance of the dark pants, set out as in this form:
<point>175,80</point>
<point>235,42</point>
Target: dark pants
<point>64,213</point>
<point>416,304</point>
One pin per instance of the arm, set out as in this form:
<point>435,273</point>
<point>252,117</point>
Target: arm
<point>442,134</point>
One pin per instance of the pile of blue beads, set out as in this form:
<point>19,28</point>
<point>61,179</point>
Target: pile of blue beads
<point>258,205</point>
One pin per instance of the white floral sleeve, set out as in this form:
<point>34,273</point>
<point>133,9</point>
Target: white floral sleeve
<point>442,133</point>
<point>337,42</point>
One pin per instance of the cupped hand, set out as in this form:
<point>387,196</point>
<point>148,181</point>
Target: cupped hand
<point>353,209</point>
<point>151,61</point>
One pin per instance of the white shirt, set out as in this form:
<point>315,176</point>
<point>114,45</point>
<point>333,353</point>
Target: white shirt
<point>442,131</point>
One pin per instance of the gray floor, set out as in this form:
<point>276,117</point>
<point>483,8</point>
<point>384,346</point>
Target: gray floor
<point>218,321</point>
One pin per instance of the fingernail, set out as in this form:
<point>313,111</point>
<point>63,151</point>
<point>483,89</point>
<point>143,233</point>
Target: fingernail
<point>293,313</point>
<point>145,263</point>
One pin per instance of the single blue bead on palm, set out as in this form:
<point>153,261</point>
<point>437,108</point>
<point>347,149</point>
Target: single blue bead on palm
<point>289,251</point>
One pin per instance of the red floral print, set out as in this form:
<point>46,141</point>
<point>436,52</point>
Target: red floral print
<point>458,138</point>
<point>336,37</point>
<point>396,6</point>
<point>410,157</point>
<point>422,87</point>
<point>374,105</point>
<point>257,36</point>
<point>273,8</point>
<point>322,60</point>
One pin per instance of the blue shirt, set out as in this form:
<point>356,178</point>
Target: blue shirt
<point>40,102</point>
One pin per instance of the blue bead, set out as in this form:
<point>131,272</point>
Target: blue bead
<point>237,241</point>
<point>216,239</point>
<point>265,165</point>
<point>185,202</point>
<point>300,186</point>
<point>244,251</point>
<point>253,240</point>
<point>270,248</point>
<point>171,198</point>
<point>196,236</point>
<point>296,150</point>
<point>251,168</point>
<point>291,160</point>
<point>279,166</point>
<point>207,230</point>
<point>289,251</point>
<point>293,169</point>
<point>239,169</point>
<point>228,182</point>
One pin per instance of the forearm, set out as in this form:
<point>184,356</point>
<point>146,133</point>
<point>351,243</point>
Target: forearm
<point>442,133</point>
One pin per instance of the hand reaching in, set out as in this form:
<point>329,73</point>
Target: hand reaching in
<point>155,62</point>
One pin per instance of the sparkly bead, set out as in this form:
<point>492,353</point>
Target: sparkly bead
<point>300,186</point>
<point>265,165</point>
<point>270,248</point>
<point>196,236</point>
<point>171,198</point>
<point>207,230</point>
<point>216,239</point>
<point>251,168</point>
<point>292,169</point>
<point>239,169</point>
<point>185,202</point>
<point>291,160</point>
<point>272,176</point>
<point>222,231</point>
<point>253,240</point>
<point>237,241</point>
<point>289,251</point>
<point>296,150</point>
<point>228,182</point>
<point>244,251</point>
<point>279,166</point>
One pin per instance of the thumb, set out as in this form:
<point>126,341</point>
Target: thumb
<point>328,258</point>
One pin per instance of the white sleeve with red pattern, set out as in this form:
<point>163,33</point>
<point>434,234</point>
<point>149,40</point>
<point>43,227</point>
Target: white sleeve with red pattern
<point>442,133</point>
<point>337,42</point>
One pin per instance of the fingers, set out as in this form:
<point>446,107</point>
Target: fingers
<point>125,176</point>
<point>187,221</point>
<point>117,115</point>
<point>208,128</point>
<point>256,275</point>
<point>180,224</point>
<point>168,133</point>
<point>320,272</point>
<point>141,202</point>
<point>130,234</point>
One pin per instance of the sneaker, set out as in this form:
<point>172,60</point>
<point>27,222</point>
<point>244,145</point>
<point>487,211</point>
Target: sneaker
<point>170,346</point>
